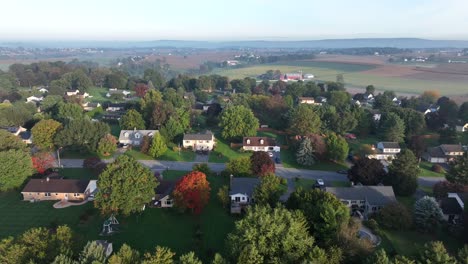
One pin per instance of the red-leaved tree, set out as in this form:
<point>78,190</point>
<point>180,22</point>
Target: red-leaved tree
<point>43,161</point>
<point>141,89</point>
<point>192,192</point>
<point>262,164</point>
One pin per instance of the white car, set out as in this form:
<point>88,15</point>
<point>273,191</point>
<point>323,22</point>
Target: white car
<point>270,154</point>
<point>320,182</point>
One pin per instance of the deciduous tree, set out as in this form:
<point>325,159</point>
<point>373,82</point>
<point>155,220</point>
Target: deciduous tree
<point>268,191</point>
<point>435,253</point>
<point>125,186</point>
<point>132,120</point>
<point>43,133</point>
<point>161,255</point>
<point>125,255</point>
<point>238,121</point>
<point>9,141</point>
<point>261,164</point>
<point>393,128</point>
<point>43,161</point>
<point>16,168</point>
<point>192,192</point>
<point>367,172</point>
<point>458,172</point>
<point>158,146</point>
<point>283,229</point>
<point>240,167</point>
<point>394,216</point>
<point>303,120</point>
<point>107,145</point>
<point>337,147</point>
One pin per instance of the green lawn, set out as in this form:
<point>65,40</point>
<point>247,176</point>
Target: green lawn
<point>223,152</point>
<point>185,155</point>
<point>280,139</point>
<point>355,144</point>
<point>173,174</point>
<point>289,161</point>
<point>77,173</point>
<point>425,170</point>
<point>205,233</point>
<point>135,153</point>
<point>71,154</point>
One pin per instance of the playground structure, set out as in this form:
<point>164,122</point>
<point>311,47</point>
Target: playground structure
<point>110,226</point>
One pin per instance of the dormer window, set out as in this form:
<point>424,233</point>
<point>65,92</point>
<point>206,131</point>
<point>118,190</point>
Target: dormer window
<point>137,135</point>
<point>261,141</point>
<point>150,134</point>
<point>126,134</point>
<point>248,141</point>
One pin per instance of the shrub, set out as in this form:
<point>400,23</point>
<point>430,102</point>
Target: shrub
<point>437,168</point>
<point>394,216</point>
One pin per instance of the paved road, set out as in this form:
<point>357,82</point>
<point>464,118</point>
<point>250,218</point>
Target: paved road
<point>288,173</point>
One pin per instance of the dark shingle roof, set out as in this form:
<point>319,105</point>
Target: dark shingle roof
<point>207,135</point>
<point>450,206</point>
<point>56,185</point>
<point>164,188</point>
<point>25,135</point>
<point>255,141</point>
<point>436,152</point>
<point>392,145</point>
<point>375,195</point>
<point>451,148</point>
<point>243,185</point>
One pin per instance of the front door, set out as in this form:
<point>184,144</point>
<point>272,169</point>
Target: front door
<point>66,196</point>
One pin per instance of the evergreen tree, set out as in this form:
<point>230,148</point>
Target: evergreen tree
<point>435,253</point>
<point>393,128</point>
<point>93,253</point>
<point>161,255</point>
<point>403,173</point>
<point>189,258</point>
<point>132,120</point>
<point>306,154</point>
<point>158,146</point>
<point>427,214</point>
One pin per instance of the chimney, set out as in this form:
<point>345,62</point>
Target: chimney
<point>47,179</point>
<point>230,180</point>
<point>134,129</point>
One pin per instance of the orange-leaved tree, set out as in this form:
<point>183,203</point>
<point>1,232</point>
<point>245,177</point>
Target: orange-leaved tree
<point>43,161</point>
<point>192,192</point>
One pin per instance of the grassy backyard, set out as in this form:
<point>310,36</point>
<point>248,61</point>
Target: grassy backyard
<point>289,161</point>
<point>223,152</point>
<point>425,170</point>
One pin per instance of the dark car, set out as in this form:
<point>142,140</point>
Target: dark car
<point>277,160</point>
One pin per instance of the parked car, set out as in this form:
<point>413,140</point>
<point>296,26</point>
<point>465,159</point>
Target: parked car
<point>320,184</point>
<point>277,160</point>
<point>270,154</point>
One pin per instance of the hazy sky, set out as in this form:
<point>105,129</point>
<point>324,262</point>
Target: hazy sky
<point>231,19</point>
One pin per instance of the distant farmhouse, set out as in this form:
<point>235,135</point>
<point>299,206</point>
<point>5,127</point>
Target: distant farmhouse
<point>385,151</point>
<point>204,141</point>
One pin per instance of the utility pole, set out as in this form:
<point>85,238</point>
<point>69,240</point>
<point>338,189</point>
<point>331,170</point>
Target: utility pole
<point>58,157</point>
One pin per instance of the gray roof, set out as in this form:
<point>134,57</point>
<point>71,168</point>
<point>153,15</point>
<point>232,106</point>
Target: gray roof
<point>207,135</point>
<point>392,145</point>
<point>375,195</point>
<point>243,185</point>
<point>436,152</point>
<point>450,206</point>
<point>451,148</point>
<point>165,187</point>
<point>132,133</point>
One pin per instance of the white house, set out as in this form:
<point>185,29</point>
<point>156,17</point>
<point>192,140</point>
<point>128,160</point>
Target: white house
<point>87,106</point>
<point>308,76</point>
<point>443,153</point>
<point>463,128</point>
<point>385,151</point>
<point>260,144</point>
<point>365,199</point>
<point>73,93</point>
<point>43,90</point>
<point>34,99</point>
<point>202,141</point>
<point>113,91</point>
<point>115,107</point>
<point>134,137</point>
<point>241,192</point>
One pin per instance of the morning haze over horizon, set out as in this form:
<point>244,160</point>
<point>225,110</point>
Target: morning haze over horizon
<point>143,20</point>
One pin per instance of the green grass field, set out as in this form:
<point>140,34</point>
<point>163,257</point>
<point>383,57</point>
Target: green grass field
<point>223,152</point>
<point>185,155</point>
<point>288,160</point>
<point>425,170</point>
<point>354,75</point>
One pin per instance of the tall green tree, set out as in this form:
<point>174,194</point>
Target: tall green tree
<point>148,103</point>
<point>9,141</point>
<point>393,128</point>
<point>43,133</point>
<point>403,173</point>
<point>303,120</point>
<point>158,146</point>
<point>125,186</point>
<point>132,120</point>
<point>427,214</point>
<point>325,214</point>
<point>172,129</point>
<point>268,235</point>
<point>81,134</point>
<point>125,255</point>
<point>16,168</point>
<point>189,258</point>
<point>93,253</point>
<point>237,122</point>
<point>68,111</point>
<point>367,172</point>
<point>268,191</point>
<point>305,154</point>
<point>337,147</point>
<point>107,145</point>
<point>240,167</point>
<point>161,255</point>
<point>458,172</point>
<point>435,253</point>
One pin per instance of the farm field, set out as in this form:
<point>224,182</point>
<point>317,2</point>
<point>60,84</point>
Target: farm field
<point>401,79</point>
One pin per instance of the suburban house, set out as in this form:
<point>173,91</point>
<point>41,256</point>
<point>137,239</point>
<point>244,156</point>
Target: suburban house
<point>113,91</point>
<point>453,205</point>
<point>58,189</point>
<point>163,192</point>
<point>134,137</point>
<point>34,99</point>
<point>385,151</point>
<point>115,107</point>
<point>107,246</point>
<point>429,109</point>
<point>241,192</point>
<point>202,141</point>
<point>365,199</point>
<point>463,128</point>
<point>73,93</point>
<point>260,144</point>
<point>306,100</point>
<point>78,94</point>
<point>21,132</point>
<point>320,100</point>
<point>87,106</point>
<point>443,153</point>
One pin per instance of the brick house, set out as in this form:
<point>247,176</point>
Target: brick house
<point>58,189</point>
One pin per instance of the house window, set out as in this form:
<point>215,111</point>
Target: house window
<point>76,194</point>
<point>248,141</point>
<point>56,193</point>
<point>169,202</point>
<point>207,141</point>
<point>243,198</point>
<point>47,194</point>
<point>200,141</point>
<point>137,135</point>
<point>126,134</point>
<point>374,208</point>
<point>187,141</point>
<point>353,202</point>
<point>237,199</point>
